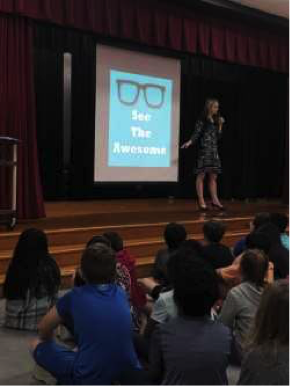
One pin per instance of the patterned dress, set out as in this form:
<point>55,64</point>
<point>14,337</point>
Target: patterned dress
<point>205,137</point>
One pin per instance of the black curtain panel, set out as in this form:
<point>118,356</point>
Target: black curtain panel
<point>48,87</point>
<point>253,102</point>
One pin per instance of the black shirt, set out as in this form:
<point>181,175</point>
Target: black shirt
<point>159,270</point>
<point>218,255</point>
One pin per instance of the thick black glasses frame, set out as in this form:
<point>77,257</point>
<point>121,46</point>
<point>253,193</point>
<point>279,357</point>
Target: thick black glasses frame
<point>139,86</point>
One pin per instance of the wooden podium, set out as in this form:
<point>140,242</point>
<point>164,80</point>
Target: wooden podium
<point>8,160</point>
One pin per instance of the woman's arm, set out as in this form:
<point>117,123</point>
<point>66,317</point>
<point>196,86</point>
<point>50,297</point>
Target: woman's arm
<point>221,122</point>
<point>195,136</point>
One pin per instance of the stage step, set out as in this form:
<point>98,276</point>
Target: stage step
<point>67,255</point>
<point>75,236</point>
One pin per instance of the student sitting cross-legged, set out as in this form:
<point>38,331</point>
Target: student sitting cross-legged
<point>191,349</point>
<point>98,313</point>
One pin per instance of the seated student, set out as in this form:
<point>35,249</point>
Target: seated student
<point>191,348</point>
<point>241,304</point>
<point>281,221</point>
<point>32,282</point>
<point>266,361</point>
<point>174,235</point>
<point>259,220</point>
<point>138,297</point>
<point>278,254</point>
<point>232,274</point>
<point>100,315</point>
<point>217,254</point>
<point>165,308</point>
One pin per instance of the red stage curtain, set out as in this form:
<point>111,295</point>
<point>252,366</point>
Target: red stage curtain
<point>162,25</point>
<point>17,111</point>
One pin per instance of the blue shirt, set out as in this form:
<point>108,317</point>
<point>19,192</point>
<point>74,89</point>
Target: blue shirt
<point>240,247</point>
<point>100,315</point>
<point>285,240</point>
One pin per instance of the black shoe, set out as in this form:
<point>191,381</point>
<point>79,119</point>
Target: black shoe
<point>219,207</point>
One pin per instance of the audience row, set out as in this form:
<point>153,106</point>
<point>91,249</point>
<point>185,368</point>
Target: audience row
<point>205,307</point>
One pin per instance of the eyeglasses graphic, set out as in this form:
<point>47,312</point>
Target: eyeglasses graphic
<point>129,91</point>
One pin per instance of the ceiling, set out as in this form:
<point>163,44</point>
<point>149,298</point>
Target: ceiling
<point>275,7</point>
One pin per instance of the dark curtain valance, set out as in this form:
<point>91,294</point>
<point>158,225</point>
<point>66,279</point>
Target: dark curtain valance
<point>160,25</point>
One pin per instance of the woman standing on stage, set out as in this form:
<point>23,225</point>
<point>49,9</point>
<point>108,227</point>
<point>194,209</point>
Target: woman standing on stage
<point>207,131</point>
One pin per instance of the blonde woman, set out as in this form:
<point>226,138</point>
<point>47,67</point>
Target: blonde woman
<point>205,137</point>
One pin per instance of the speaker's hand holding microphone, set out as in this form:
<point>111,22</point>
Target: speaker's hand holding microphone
<point>221,121</point>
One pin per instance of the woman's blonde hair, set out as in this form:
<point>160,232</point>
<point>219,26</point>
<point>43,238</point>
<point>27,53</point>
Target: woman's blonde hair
<point>208,105</point>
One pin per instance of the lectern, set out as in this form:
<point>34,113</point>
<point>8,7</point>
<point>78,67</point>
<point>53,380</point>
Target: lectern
<point>8,177</point>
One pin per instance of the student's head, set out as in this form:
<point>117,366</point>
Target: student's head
<point>78,279</point>
<point>116,241</point>
<point>271,327</point>
<point>98,264</point>
<point>31,246</point>
<point>258,240</point>
<point>28,267</point>
<point>254,266</point>
<point>195,284</point>
<point>187,248</point>
<point>98,240</point>
<point>213,231</point>
<point>280,220</point>
<point>259,220</point>
<point>174,235</point>
<point>272,233</point>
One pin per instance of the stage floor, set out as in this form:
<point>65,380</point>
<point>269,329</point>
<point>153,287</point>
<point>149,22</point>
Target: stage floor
<point>132,211</point>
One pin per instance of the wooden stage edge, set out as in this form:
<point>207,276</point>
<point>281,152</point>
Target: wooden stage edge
<point>132,211</point>
<point>70,224</point>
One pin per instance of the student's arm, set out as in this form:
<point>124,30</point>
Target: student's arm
<point>159,315</point>
<point>48,324</point>
<point>229,311</point>
<point>160,312</point>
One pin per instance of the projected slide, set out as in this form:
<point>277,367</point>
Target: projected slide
<point>137,117</point>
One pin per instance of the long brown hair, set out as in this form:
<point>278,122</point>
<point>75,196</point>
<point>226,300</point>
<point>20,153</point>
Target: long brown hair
<point>271,325</point>
<point>254,266</point>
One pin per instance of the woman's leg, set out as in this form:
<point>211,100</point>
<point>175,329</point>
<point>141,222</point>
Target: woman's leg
<point>199,188</point>
<point>213,188</point>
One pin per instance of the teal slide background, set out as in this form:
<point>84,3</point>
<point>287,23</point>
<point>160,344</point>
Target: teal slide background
<point>120,122</point>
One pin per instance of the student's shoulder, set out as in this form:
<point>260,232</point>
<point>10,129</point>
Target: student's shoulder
<point>236,291</point>
<point>220,329</point>
<point>166,296</point>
